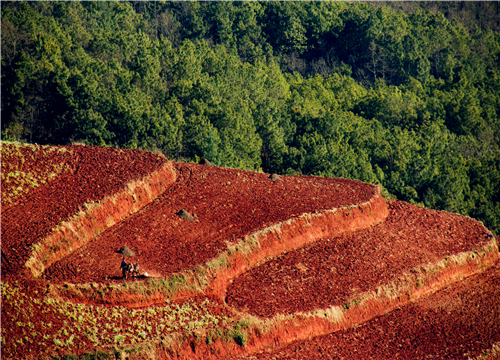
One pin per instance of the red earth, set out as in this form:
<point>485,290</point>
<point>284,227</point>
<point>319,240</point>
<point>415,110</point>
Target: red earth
<point>96,172</point>
<point>27,167</point>
<point>461,321</point>
<point>330,271</point>
<point>228,205</point>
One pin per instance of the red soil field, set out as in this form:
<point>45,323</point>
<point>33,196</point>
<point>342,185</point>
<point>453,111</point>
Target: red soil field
<point>460,321</point>
<point>227,203</point>
<point>43,315</point>
<point>332,271</point>
<point>27,167</point>
<point>96,172</point>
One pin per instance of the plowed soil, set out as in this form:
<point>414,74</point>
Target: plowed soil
<point>95,173</point>
<point>26,167</point>
<point>331,271</point>
<point>227,204</point>
<point>459,322</point>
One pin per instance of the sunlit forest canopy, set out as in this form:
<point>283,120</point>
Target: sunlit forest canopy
<point>405,94</point>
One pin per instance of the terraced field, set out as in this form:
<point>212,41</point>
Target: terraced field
<point>227,204</point>
<point>333,271</point>
<point>460,321</point>
<point>268,267</point>
<point>94,174</point>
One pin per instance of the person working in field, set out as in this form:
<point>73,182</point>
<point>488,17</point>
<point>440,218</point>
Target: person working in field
<point>124,267</point>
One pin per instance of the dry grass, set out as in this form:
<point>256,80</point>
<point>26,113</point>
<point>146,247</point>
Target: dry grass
<point>334,314</point>
<point>44,253</point>
<point>492,353</point>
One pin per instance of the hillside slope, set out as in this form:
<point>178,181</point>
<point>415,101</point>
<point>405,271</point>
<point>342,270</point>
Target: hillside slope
<point>264,263</point>
<point>461,321</point>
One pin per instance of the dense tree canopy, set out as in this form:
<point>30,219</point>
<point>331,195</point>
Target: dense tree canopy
<point>410,100</point>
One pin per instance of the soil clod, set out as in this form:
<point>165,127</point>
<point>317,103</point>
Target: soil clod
<point>185,215</point>
<point>125,251</point>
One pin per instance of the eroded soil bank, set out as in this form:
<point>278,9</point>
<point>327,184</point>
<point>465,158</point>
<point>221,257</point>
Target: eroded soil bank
<point>332,271</point>
<point>458,322</point>
<point>227,203</point>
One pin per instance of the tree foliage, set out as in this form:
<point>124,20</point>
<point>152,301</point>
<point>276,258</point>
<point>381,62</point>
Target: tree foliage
<point>408,99</point>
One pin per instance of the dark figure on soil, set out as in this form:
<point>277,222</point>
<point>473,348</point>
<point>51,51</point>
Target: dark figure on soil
<point>124,267</point>
<point>133,269</point>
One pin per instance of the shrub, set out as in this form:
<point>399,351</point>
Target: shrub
<point>239,336</point>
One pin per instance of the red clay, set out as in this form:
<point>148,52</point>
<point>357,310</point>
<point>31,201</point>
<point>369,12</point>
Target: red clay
<point>332,271</point>
<point>459,321</point>
<point>228,204</point>
<point>98,172</point>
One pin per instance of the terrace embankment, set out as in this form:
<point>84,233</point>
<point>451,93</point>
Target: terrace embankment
<point>241,256</point>
<point>267,217</point>
<point>464,250</point>
<point>460,303</point>
<point>97,217</point>
<point>461,320</point>
<point>340,282</point>
<point>334,269</point>
<point>294,234</point>
<point>65,209</point>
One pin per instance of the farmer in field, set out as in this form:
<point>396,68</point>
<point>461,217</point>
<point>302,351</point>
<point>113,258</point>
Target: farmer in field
<point>124,267</point>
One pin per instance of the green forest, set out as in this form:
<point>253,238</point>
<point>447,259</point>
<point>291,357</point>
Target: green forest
<point>406,95</point>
